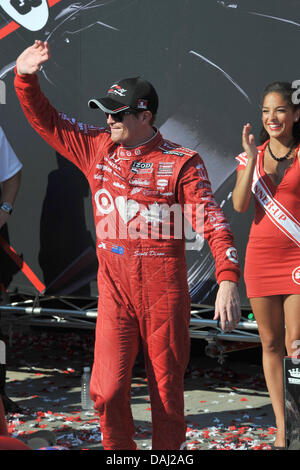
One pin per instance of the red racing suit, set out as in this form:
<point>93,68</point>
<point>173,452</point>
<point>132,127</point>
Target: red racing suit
<point>139,198</point>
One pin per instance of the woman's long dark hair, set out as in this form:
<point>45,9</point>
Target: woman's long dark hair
<point>286,91</point>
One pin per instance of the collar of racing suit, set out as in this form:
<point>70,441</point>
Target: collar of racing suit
<point>125,153</point>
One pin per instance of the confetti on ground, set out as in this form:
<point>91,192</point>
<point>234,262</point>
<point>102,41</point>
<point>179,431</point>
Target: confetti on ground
<point>44,371</point>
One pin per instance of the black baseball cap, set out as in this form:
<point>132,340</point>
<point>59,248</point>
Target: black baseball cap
<point>134,93</point>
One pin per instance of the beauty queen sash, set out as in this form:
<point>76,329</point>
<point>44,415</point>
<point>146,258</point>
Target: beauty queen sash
<point>276,212</point>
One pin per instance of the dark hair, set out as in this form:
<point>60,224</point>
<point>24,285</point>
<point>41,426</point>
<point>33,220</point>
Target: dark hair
<point>286,90</point>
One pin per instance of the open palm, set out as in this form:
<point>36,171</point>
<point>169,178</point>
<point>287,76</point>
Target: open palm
<point>248,142</point>
<point>33,57</point>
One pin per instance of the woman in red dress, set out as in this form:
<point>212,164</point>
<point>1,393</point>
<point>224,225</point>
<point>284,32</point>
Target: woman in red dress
<point>271,172</point>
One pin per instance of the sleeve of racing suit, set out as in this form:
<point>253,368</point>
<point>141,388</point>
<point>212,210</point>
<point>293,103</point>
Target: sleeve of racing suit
<point>71,139</point>
<point>242,160</point>
<point>195,195</point>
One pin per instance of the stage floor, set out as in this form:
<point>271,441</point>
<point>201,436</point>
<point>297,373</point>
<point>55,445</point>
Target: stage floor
<point>226,405</point>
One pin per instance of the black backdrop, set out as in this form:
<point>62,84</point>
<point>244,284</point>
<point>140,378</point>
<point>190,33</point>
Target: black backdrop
<point>209,61</point>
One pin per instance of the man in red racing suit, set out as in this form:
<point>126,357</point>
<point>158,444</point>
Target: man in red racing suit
<point>141,186</point>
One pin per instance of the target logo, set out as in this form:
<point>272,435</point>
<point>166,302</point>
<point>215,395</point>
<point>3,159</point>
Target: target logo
<point>127,208</point>
<point>296,275</point>
<point>104,201</point>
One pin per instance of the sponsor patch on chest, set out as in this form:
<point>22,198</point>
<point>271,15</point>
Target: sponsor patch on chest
<point>165,168</point>
<point>141,167</point>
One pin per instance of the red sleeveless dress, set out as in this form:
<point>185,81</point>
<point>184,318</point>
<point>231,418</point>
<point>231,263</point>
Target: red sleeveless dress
<point>272,262</point>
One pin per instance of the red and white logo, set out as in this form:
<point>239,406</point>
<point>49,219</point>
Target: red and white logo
<point>232,255</point>
<point>296,275</point>
<point>117,90</point>
<point>30,14</point>
<point>142,104</point>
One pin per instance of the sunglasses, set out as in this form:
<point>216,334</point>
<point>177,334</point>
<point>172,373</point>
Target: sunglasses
<point>118,117</point>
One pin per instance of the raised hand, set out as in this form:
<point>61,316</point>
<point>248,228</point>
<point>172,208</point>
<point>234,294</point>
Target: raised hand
<point>248,142</point>
<point>32,58</point>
